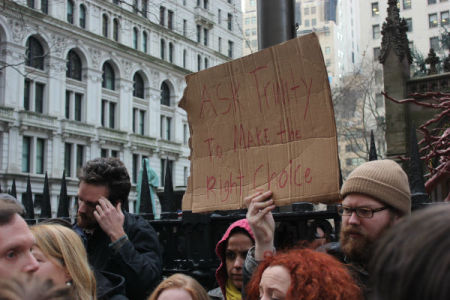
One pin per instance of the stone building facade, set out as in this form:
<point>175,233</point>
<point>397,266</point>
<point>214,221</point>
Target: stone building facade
<point>80,79</point>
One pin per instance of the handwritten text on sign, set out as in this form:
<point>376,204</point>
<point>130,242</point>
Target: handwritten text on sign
<point>264,121</point>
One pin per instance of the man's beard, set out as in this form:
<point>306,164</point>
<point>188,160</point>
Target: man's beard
<point>86,222</point>
<point>357,248</point>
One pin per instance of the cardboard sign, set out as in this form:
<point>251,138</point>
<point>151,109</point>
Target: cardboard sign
<point>264,121</point>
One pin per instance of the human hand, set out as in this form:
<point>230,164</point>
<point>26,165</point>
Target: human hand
<point>110,218</point>
<point>260,218</point>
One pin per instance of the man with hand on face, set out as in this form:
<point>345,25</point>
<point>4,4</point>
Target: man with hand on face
<point>116,241</point>
<point>16,240</point>
<point>375,196</point>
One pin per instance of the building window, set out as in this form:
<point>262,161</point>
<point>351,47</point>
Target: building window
<point>163,49</point>
<point>306,11</point>
<point>136,6</point>
<point>30,3</point>
<point>162,13</point>
<point>144,42</point>
<point>327,50</point>
<point>165,128</point>
<point>144,8</point>
<point>74,66</point>
<point>185,176</point>
<point>40,152</point>
<point>165,94</point>
<point>307,23</point>
<point>105,25</point>
<point>170,19</point>
<point>26,154</point>
<point>409,24</point>
<point>44,6</point>
<point>205,36</point>
<point>163,169</point>
<point>199,62</point>
<point>137,163</point>
<point>375,32</point>
<point>108,78</point>
<point>70,11</point>
<point>220,44</point>
<point>434,43</point>
<point>116,29</point>
<point>34,54</point>
<point>184,27</point>
<point>33,90</point>
<point>206,63</point>
<point>431,1</point>
<point>219,17</point>
<point>109,153</point>
<point>184,58</point>
<point>406,4</point>
<point>185,134</point>
<point>376,53</point>
<point>73,156</point>
<point>313,22</point>
<point>432,20</point>
<point>230,22</point>
<point>138,121</point>
<point>138,86</point>
<point>205,4</point>
<point>82,19</point>
<point>108,114</point>
<point>199,33</point>
<point>230,49</point>
<point>171,52</point>
<point>444,18</point>
<point>375,9</point>
<point>135,38</point>
<point>74,106</point>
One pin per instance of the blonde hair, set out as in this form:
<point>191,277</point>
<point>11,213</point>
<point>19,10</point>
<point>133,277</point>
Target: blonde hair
<point>181,281</point>
<point>62,244</point>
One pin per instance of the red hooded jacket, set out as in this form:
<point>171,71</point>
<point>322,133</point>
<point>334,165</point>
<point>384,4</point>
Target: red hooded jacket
<point>221,272</point>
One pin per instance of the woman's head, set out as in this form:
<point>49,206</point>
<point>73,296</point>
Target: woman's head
<point>302,274</point>
<point>63,259</point>
<point>179,286</point>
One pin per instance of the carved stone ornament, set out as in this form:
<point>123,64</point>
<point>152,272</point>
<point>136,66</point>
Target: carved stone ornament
<point>95,56</point>
<point>17,30</point>
<point>127,66</point>
<point>58,45</point>
<point>394,34</point>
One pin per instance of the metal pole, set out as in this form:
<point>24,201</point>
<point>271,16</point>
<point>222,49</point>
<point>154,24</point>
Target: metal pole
<point>276,22</point>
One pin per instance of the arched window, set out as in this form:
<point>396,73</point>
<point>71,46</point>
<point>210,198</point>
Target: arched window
<point>135,38</point>
<point>70,11</point>
<point>163,49</point>
<point>105,25</point>
<point>74,66</point>
<point>116,30</point>
<point>138,86</point>
<point>108,77</point>
<point>144,42</point>
<point>165,94</point>
<point>82,16</point>
<point>171,52</point>
<point>35,54</point>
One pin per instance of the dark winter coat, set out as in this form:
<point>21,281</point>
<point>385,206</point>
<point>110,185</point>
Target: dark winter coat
<point>138,260</point>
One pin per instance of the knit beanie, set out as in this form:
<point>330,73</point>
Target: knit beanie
<point>383,180</point>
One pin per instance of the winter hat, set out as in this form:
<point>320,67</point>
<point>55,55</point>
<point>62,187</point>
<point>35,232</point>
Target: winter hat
<point>383,180</point>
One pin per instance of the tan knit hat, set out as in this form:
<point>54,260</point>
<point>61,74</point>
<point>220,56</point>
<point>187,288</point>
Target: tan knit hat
<point>383,180</point>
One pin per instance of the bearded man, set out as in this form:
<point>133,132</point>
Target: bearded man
<point>375,196</point>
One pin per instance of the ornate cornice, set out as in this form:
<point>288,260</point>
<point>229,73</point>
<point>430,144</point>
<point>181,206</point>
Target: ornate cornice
<point>394,34</point>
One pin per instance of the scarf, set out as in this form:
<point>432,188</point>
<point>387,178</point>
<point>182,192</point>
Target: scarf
<point>232,293</point>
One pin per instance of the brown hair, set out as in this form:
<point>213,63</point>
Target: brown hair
<point>181,281</point>
<point>314,276</point>
<point>412,260</point>
<point>109,172</point>
<point>8,208</point>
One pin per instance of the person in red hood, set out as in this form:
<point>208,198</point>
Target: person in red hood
<point>232,250</point>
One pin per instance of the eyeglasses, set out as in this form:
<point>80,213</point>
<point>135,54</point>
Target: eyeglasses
<point>362,212</point>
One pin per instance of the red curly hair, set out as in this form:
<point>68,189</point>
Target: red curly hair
<point>314,276</point>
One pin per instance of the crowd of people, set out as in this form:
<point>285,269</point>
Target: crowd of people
<point>383,251</point>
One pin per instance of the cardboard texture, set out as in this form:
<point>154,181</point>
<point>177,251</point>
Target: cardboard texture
<point>264,121</point>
